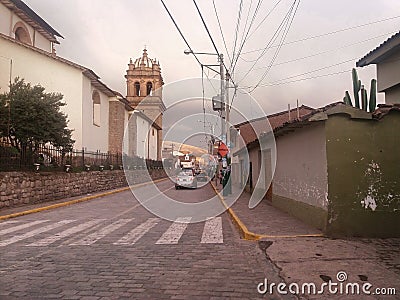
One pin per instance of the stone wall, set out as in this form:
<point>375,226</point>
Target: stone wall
<point>116,126</point>
<point>21,188</point>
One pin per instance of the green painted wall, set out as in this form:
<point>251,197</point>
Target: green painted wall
<point>309,214</point>
<point>363,176</point>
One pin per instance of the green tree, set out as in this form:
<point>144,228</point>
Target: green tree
<point>31,117</point>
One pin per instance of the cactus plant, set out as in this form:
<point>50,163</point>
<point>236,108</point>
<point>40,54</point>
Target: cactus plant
<point>364,98</point>
<point>372,96</point>
<point>347,99</point>
<point>357,87</point>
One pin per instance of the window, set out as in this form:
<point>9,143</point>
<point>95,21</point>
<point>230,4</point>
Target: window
<point>152,132</point>
<point>22,34</point>
<point>96,108</point>
<point>137,88</point>
<point>149,88</point>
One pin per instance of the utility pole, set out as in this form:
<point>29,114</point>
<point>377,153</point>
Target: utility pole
<point>227,109</point>
<point>223,111</point>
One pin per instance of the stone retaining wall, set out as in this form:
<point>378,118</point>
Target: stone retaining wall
<point>20,188</point>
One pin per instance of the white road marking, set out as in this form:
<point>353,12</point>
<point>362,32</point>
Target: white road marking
<point>134,235</point>
<point>95,236</point>
<point>212,232</point>
<point>19,227</point>
<point>34,232</point>
<point>174,232</point>
<point>70,231</point>
<point>8,222</point>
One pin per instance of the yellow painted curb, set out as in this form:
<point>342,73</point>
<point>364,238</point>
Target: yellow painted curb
<point>248,235</point>
<point>87,198</point>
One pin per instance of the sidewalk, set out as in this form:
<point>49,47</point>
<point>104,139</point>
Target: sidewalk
<point>303,259</point>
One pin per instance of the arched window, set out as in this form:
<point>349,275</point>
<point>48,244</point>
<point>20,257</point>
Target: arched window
<point>96,108</point>
<point>149,88</point>
<point>137,88</point>
<point>22,33</point>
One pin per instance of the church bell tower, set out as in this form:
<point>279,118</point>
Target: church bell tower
<point>144,89</point>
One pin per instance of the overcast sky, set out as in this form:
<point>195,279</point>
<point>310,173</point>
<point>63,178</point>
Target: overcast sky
<point>104,35</point>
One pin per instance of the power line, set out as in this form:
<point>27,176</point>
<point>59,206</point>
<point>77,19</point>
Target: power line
<point>209,35</point>
<point>206,27</point>
<point>323,52</point>
<point>277,51</point>
<point>263,20</point>
<point>328,33</point>
<point>236,31</point>
<point>308,78</point>
<point>187,43</point>
<point>222,34</point>
<point>245,36</point>
<point>273,38</point>
<point>315,70</point>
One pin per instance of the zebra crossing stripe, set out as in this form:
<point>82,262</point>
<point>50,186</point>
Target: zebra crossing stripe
<point>32,233</point>
<point>174,232</point>
<point>134,235</point>
<point>19,227</point>
<point>8,222</point>
<point>95,236</point>
<point>70,231</point>
<point>212,232</point>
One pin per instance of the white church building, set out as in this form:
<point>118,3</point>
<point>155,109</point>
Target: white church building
<point>97,114</point>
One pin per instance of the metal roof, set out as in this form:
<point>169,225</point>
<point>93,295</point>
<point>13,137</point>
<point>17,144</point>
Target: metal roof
<point>381,52</point>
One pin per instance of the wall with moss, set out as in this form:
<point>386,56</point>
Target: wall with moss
<point>363,176</point>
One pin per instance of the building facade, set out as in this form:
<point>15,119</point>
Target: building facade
<point>386,57</point>
<point>98,116</point>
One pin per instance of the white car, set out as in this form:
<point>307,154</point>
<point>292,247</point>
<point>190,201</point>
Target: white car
<point>186,178</point>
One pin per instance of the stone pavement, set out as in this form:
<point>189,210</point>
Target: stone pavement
<point>318,259</point>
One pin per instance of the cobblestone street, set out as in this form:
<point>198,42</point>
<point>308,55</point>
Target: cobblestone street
<point>112,248</point>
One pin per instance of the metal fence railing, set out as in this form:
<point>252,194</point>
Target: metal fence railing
<point>49,158</point>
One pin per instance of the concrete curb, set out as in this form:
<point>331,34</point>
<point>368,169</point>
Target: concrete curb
<point>251,236</point>
<point>87,198</point>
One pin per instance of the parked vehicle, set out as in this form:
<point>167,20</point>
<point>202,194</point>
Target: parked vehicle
<point>186,178</point>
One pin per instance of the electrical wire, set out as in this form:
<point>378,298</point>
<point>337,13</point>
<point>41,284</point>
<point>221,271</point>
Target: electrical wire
<point>236,32</point>
<point>188,45</point>
<point>245,36</point>
<point>313,71</point>
<point>263,20</point>
<point>273,38</point>
<point>222,33</point>
<point>209,35</point>
<point>307,78</point>
<point>288,26</point>
<point>323,52</point>
<point>325,34</point>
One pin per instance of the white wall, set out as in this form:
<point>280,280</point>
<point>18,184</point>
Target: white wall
<point>301,169</point>
<point>42,43</point>
<point>153,143</point>
<point>54,75</point>
<point>94,137</point>
<point>142,133</point>
<point>7,18</point>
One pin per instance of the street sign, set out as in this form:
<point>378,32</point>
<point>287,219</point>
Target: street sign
<point>223,150</point>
